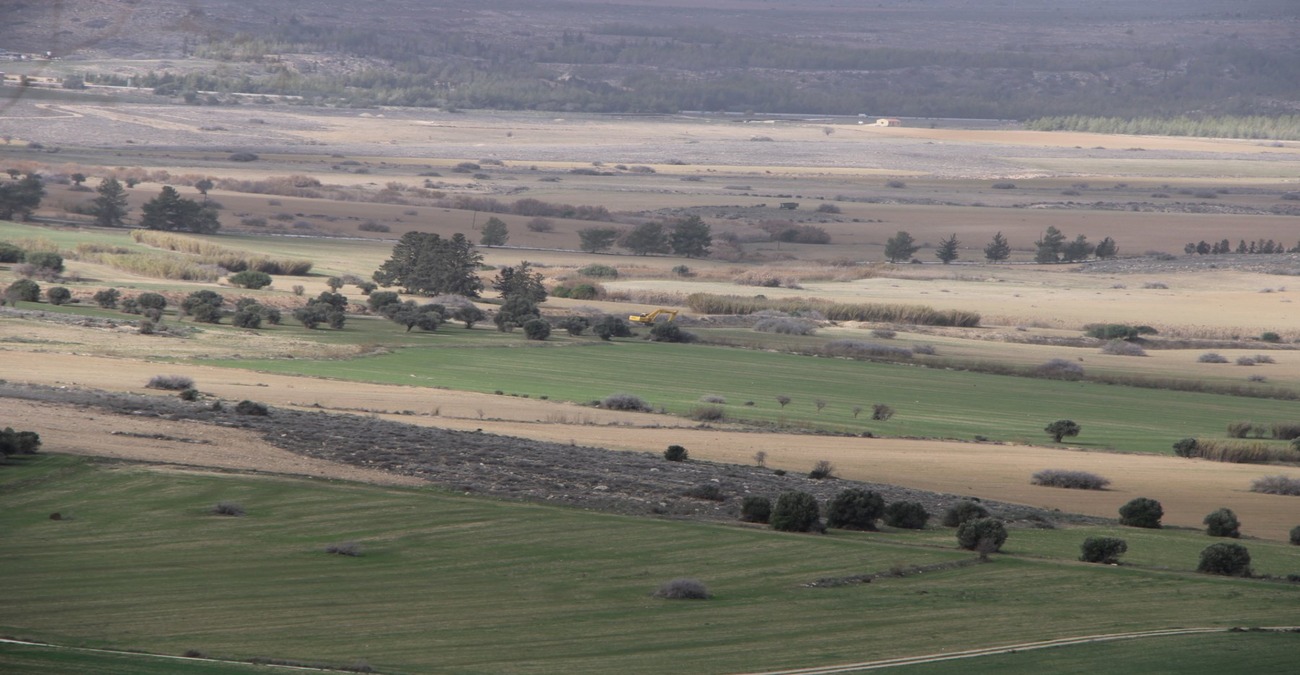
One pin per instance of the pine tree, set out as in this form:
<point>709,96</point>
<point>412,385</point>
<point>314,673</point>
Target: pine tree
<point>691,237</point>
<point>947,251</point>
<point>646,238</point>
<point>427,264</point>
<point>172,212</point>
<point>22,197</point>
<point>110,206</point>
<point>495,232</point>
<point>998,249</point>
<point>1079,249</point>
<point>1050,246</point>
<point>520,281</point>
<point>1107,249</point>
<point>597,239</point>
<point>901,246</point>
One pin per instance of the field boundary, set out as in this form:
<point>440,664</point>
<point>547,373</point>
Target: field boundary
<point>1021,647</point>
<point>172,657</point>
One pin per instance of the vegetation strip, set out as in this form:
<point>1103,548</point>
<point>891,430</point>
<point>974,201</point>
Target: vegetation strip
<point>171,657</point>
<point>1007,649</point>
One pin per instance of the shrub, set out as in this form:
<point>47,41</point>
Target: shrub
<point>348,548</point>
<point>1270,336</point>
<point>10,253</point>
<point>1285,431</point>
<point>574,325</point>
<point>599,271</point>
<point>224,508</point>
<point>1246,452</point>
<point>254,408</point>
<point>796,512</point>
<point>881,412</point>
<point>1003,185</point>
<point>906,515</point>
<point>1185,447</point>
<point>855,509</point>
<point>859,349</point>
<point>1211,357</point>
<point>1242,429</point>
<point>190,394</point>
<point>785,326</point>
<point>23,290</point>
<point>709,491</point>
<point>610,326</point>
<point>1231,560</point>
<point>1074,480</point>
<point>58,295</point>
<point>372,226</point>
<point>539,224</point>
<point>713,398</point>
<point>821,470</point>
<point>1122,348</point>
<point>669,331</point>
<point>250,279</point>
<point>204,306</point>
<point>783,400</point>
<point>755,509</point>
<point>708,413</point>
<point>828,208</point>
<point>1060,369</point>
<point>1277,485</point>
<point>963,511</point>
<point>1295,535</point>
<point>243,157</point>
<point>982,534</point>
<point>1222,523</point>
<point>107,298</point>
<point>154,301</point>
<point>1116,331</point>
<point>170,382</point>
<point>1061,429</point>
<point>1141,512</point>
<point>537,329</point>
<point>676,453</point>
<point>46,260</point>
<point>586,292</point>
<point>884,333</point>
<point>624,402</point>
<point>19,442</point>
<point>683,589</point>
<point>1104,550</point>
<point>247,318</point>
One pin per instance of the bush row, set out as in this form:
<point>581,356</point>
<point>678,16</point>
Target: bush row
<point>712,303</point>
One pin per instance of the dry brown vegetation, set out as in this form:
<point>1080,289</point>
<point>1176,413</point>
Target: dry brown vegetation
<point>1027,314</point>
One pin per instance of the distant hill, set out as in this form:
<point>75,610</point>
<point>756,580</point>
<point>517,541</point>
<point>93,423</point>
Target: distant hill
<point>942,58</point>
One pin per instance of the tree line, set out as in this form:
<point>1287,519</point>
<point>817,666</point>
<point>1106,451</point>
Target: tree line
<point>1052,247</point>
<point>1279,127</point>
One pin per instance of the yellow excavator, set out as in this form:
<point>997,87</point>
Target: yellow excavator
<point>649,318</point>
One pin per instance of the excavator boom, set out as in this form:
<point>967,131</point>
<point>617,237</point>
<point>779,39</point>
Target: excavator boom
<point>649,318</point>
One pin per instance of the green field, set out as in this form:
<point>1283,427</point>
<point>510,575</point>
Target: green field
<point>1176,655</point>
<point>457,584</point>
<point>930,402</point>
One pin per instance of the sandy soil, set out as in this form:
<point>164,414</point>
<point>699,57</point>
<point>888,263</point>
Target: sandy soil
<point>178,444</point>
<point>1188,488</point>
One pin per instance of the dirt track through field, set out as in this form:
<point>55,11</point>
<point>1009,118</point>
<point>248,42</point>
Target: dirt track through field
<point>1188,489</point>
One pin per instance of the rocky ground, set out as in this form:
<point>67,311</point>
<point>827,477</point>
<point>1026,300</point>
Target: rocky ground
<point>509,467</point>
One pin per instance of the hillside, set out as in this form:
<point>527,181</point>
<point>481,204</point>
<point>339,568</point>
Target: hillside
<point>940,58</point>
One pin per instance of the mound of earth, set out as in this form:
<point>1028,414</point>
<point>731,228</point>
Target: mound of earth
<point>510,467</point>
